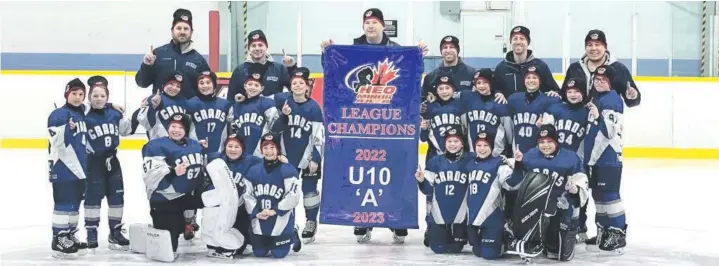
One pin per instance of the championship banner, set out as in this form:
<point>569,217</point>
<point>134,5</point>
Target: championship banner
<point>371,114</point>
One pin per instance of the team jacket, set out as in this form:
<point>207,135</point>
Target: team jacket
<point>170,58</point>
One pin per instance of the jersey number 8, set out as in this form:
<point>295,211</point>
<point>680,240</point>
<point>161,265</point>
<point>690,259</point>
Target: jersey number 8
<point>266,204</point>
<point>108,141</point>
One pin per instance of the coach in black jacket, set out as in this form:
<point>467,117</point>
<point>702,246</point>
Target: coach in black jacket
<point>509,74</point>
<point>596,54</point>
<point>461,74</point>
<point>178,55</point>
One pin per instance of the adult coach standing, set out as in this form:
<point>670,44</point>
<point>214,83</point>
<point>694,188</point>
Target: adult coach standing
<point>596,55</point>
<point>509,74</point>
<point>178,55</point>
<point>373,27</point>
<point>460,73</point>
<point>276,76</point>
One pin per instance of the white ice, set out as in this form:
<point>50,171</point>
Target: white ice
<point>669,210</point>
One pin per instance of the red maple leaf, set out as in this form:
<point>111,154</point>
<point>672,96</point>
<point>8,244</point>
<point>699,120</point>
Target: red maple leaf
<point>384,73</point>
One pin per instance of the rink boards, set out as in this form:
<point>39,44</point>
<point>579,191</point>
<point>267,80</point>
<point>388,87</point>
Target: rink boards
<point>671,121</point>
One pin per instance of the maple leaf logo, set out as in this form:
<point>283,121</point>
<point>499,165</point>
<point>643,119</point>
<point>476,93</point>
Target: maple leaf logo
<point>384,73</point>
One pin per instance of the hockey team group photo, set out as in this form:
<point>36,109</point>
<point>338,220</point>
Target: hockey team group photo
<point>383,133</point>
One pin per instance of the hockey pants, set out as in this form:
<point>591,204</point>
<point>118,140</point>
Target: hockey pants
<point>605,182</point>
<point>447,238</point>
<point>277,246</point>
<point>487,240</point>
<point>67,197</point>
<point>104,179</point>
<point>169,215</point>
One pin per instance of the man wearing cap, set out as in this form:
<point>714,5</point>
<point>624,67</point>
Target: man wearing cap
<point>451,65</point>
<point>178,55</point>
<point>373,27</point>
<point>509,74</point>
<point>276,76</point>
<point>596,55</point>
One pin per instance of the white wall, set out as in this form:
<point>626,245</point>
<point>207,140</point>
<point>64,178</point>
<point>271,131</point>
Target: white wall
<point>108,27</point>
<point>671,115</point>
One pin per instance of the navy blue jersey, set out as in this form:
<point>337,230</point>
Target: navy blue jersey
<point>171,57</point>
<point>622,76</point>
<point>487,177</point>
<point>571,124</point>
<point>105,126</point>
<point>603,145</point>
<point>303,134</point>
<point>238,168</point>
<point>441,118</point>
<point>160,157</point>
<point>278,190</point>
<point>276,78</point>
<point>157,120</point>
<point>565,165</point>
<point>251,119</point>
<point>482,113</point>
<point>66,146</point>
<point>210,120</point>
<point>447,181</point>
<point>524,118</point>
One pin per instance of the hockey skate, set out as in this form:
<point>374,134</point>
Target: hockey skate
<point>613,242</point>
<point>363,234</point>
<point>117,240</point>
<point>92,239</point>
<point>63,246</point>
<point>308,234</point>
<point>426,237</point>
<point>398,235</point>
<point>582,235</point>
<point>81,246</point>
<point>195,226</point>
<point>297,241</point>
<point>218,252</point>
<point>593,243</point>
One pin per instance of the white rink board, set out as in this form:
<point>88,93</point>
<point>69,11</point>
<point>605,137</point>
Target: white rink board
<point>664,200</point>
<point>670,116</point>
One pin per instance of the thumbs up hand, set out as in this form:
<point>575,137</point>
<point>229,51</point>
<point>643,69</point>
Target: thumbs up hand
<point>72,124</point>
<point>286,110</point>
<point>203,143</point>
<point>149,58</point>
<point>239,97</point>
<point>156,100</point>
<point>419,175</point>
<point>631,92</point>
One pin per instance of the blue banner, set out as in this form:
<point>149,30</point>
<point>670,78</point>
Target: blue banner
<point>371,115</point>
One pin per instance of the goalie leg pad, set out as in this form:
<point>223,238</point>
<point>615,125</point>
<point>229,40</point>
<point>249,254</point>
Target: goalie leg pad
<point>531,204</point>
<point>218,221</point>
<point>211,198</point>
<point>154,243</point>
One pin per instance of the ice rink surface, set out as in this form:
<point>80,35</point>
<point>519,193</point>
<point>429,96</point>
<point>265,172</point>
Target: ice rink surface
<point>670,208</point>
